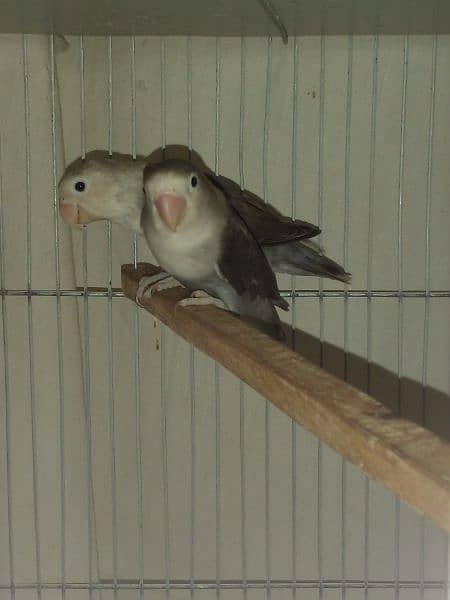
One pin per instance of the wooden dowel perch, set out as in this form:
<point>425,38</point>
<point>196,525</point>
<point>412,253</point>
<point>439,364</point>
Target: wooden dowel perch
<point>407,459</point>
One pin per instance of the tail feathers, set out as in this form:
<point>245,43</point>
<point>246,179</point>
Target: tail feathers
<point>281,302</point>
<point>322,266</point>
<point>300,258</point>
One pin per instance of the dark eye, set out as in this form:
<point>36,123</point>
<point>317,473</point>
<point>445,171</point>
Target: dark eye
<point>194,181</point>
<point>80,186</point>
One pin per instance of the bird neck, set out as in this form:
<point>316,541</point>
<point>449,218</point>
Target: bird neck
<point>130,198</point>
<point>132,219</point>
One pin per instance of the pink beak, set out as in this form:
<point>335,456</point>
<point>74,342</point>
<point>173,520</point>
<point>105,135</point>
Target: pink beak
<point>74,215</point>
<point>69,213</point>
<point>171,209</point>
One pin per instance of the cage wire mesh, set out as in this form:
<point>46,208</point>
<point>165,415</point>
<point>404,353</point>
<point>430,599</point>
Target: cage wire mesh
<point>131,464</point>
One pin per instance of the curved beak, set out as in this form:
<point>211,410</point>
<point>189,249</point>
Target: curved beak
<point>75,215</point>
<point>171,209</point>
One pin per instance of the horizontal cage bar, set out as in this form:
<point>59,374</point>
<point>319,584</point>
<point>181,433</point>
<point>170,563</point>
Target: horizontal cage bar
<point>178,584</point>
<point>286,293</point>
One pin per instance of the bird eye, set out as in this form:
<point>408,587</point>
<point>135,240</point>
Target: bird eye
<point>80,186</point>
<point>194,181</point>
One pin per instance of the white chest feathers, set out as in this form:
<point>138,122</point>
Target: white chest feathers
<point>188,255</point>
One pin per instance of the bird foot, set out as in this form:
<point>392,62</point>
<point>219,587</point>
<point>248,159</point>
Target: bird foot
<point>149,285</point>
<point>201,298</point>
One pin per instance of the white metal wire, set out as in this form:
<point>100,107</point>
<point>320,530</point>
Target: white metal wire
<point>35,458</point>
<point>345,253</point>
<point>373,294</point>
<point>243,473</point>
<point>321,125</point>
<point>137,371</point>
<point>426,325</point>
<point>191,349</point>
<point>400,319</point>
<point>164,465</point>
<point>266,131</point>
<point>217,394</point>
<point>111,397</point>
<point>7,396</point>
<point>92,547</point>
<point>294,428</point>
<point>62,462</point>
<point>249,584</point>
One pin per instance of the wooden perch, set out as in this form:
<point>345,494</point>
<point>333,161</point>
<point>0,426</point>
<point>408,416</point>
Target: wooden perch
<point>407,459</point>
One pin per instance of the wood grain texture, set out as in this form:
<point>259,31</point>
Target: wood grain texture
<point>407,459</point>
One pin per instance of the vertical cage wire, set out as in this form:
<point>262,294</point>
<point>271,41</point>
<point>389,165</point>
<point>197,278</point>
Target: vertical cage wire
<point>426,324</point>
<point>321,299</point>
<point>400,220</point>
<point>7,396</point>
<point>321,124</point>
<point>372,148</point>
<point>109,101</point>
<point>132,42</point>
<point>241,385</point>
<point>191,347</point>
<point>139,454</point>
<point>111,397</point>
<point>294,148</point>
<point>345,253</point>
<point>193,469</point>
<point>242,113</point>
<point>137,375</point>
<point>133,125</point>
<point>62,463</point>
<point>321,305</point>
<point>216,364</point>
<point>446,586</point>
<point>35,458</point>
<point>164,465</point>
<point>86,345</point>
<point>400,319</point>
<point>266,131</point>
<point>189,92</point>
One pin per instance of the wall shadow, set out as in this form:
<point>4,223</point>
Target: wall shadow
<point>404,397</point>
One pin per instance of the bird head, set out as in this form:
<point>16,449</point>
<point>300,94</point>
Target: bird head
<point>175,190</point>
<point>99,187</point>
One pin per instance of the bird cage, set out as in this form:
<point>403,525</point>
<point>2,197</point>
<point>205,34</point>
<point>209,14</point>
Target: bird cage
<point>132,464</point>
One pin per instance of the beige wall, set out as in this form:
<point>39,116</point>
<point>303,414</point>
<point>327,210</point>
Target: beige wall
<point>172,379</point>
